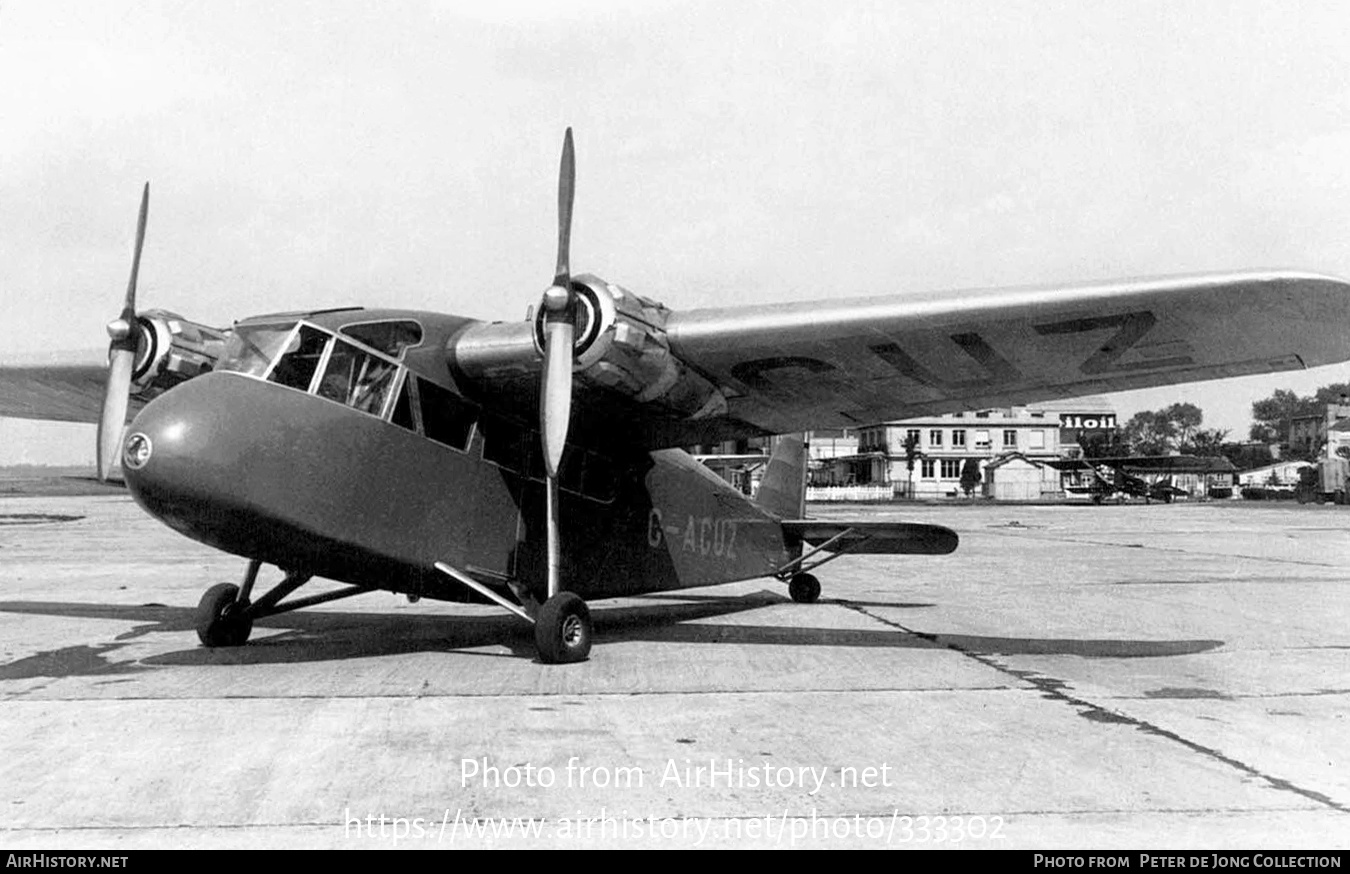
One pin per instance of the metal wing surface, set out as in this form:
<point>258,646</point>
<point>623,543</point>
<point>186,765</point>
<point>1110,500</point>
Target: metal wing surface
<point>65,387</point>
<point>844,363</point>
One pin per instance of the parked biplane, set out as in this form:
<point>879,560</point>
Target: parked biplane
<point>534,464</point>
<point>1147,477</point>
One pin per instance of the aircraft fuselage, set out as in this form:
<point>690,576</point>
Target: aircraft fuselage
<point>282,462</point>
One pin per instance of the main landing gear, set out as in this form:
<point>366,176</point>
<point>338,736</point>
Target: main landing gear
<point>225,614</point>
<point>562,624</point>
<point>562,630</point>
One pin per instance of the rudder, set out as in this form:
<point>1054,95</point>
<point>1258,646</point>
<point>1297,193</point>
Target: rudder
<point>782,491</point>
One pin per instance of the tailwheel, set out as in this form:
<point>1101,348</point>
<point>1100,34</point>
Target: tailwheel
<point>562,630</point>
<point>221,619</point>
<point>804,588</point>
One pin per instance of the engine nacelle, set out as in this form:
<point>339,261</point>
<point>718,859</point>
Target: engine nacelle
<point>620,344</point>
<point>169,350</point>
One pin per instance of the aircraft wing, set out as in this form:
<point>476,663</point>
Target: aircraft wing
<point>657,377</point>
<point>64,387</point>
<point>790,367</point>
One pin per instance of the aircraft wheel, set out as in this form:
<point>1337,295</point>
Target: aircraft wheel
<point>219,622</point>
<point>562,630</point>
<point>804,588</point>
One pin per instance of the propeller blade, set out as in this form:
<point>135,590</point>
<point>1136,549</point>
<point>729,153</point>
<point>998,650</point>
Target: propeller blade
<point>554,538</point>
<point>129,305</point>
<point>121,357</point>
<point>555,397</point>
<point>567,183</point>
<point>114,415</point>
<point>555,391</point>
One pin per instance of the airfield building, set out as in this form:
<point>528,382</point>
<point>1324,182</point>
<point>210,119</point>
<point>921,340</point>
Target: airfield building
<point>1009,442</point>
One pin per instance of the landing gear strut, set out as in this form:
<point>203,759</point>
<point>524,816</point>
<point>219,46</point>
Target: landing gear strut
<point>562,624</point>
<point>225,614</point>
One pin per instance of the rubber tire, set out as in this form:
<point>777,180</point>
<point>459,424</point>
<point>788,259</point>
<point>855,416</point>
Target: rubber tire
<point>804,588</point>
<point>562,630</point>
<point>215,625</point>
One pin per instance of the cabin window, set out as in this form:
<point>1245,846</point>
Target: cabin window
<point>391,337</point>
<point>297,365</point>
<point>403,407</point>
<point>446,417</point>
<point>356,378</point>
<point>252,348</point>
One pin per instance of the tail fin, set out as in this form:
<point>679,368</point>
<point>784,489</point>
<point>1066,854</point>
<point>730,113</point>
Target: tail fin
<point>782,491</point>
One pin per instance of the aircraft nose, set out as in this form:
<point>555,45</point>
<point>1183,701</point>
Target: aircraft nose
<point>178,454</point>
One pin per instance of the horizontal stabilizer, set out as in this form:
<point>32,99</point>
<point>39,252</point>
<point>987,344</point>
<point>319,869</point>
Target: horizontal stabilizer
<point>875,538</point>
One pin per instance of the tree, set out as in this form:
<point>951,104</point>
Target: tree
<point>1246,456</point>
<point>1205,442</point>
<point>1271,416</point>
<point>1159,432</point>
<point>970,476</point>
<point>912,454</point>
<point>1103,444</point>
<point>1150,433</point>
<point>1186,419</point>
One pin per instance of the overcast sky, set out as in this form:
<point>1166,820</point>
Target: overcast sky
<point>306,154</point>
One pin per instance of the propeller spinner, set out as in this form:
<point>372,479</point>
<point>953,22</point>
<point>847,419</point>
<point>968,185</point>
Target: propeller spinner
<point>121,358</point>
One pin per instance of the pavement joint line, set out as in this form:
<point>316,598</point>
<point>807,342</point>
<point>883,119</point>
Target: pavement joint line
<point>1249,696</point>
<point>1152,548</point>
<point>1054,690</point>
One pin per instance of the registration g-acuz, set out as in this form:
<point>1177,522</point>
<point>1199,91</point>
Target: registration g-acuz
<point>535,464</point>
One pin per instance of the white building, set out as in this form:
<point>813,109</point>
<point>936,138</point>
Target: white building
<point>944,443</point>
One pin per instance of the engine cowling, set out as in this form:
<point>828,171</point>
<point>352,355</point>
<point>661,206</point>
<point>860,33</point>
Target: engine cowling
<point>171,349</point>
<point>620,344</point>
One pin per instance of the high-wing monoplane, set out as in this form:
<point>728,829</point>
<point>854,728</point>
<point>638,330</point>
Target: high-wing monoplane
<point>536,464</point>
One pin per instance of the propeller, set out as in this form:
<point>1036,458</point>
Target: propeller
<point>555,392</point>
<point>121,358</point>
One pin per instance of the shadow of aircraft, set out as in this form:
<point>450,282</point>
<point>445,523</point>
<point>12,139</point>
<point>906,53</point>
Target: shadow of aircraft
<point>309,636</point>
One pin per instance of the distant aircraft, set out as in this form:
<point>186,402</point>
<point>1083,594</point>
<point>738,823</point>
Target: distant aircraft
<point>533,464</point>
<point>1125,477</point>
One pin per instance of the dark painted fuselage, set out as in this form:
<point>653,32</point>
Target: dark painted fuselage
<point>290,477</point>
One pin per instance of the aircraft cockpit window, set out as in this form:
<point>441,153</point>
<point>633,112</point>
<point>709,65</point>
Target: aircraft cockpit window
<point>391,338</point>
<point>357,379</point>
<point>296,366</point>
<point>403,407</point>
<point>252,348</point>
<point>446,417</point>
